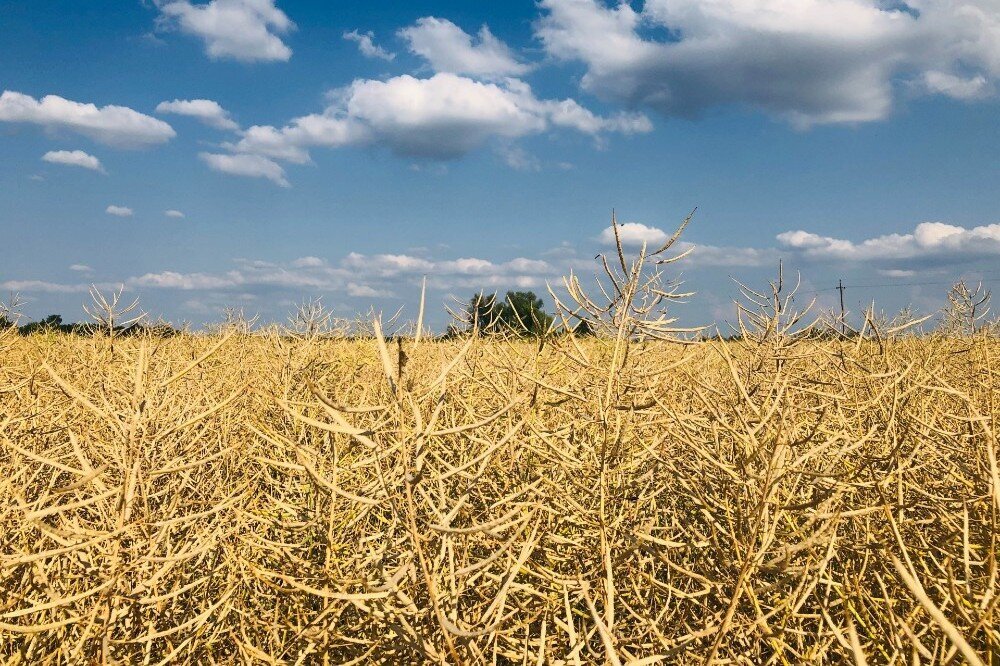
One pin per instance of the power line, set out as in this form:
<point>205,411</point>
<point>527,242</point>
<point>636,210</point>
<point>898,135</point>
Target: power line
<point>841,286</point>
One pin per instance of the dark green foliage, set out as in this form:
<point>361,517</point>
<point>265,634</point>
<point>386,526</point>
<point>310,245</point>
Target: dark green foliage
<point>484,313</point>
<point>453,332</point>
<point>54,324</point>
<point>521,312</point>
<point>158,330</point>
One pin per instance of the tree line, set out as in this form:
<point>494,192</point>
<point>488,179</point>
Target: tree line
<point>54,324</point>
<point>518,313</point>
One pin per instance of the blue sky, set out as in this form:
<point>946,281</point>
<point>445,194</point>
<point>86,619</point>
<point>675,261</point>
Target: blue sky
<point>346,150</point>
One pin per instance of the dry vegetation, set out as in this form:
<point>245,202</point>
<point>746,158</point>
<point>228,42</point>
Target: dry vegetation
<point>266,498</point>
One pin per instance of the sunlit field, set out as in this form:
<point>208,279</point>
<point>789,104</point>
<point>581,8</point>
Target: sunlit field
<point>249,496</point>
<point>266,499</point>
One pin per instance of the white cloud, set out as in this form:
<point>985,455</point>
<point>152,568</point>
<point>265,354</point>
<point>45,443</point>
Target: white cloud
<point>245,30</point>
<point>174,213</point>
<point>308,262</point>
<point>568,113</point>
<point>81,268</point>
<point>205,110</point>
<point>445,116</point>
<point>929,241</point>
<point>367,46</point>
<point>448,48</point>
<point>386,265</point>
<point>957,87</point>
<point>76,158</point>
<point>185,282</point>
<point>42,286</point>
<point>119,211</point>
<point>703,255</point>
<point>466,266</point>
<point>358,275</point>
<point>252,166</point>
<point>532,266</point>
<point>365,291</point>
<point>112,125</point>
<point>442,117</point>
<point>810,61</point>
<point>634,234</point>
<point>244,277</point>
<point>519,159</point>
<point>292,142</point>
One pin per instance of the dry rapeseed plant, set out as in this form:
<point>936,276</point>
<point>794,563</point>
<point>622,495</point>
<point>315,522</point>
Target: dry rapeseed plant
<point>264,498</point>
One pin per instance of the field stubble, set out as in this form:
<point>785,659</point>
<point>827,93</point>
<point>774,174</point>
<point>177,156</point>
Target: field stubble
<point>259,498</point>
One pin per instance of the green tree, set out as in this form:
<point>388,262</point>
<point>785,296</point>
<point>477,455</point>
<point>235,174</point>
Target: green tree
<point>524,313</point>
<point>584,329</point>
<point>483,312</point>
<point>521,312</point>
<point>51,323</point>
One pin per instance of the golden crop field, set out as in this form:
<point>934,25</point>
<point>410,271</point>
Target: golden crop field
<point>261,498</point>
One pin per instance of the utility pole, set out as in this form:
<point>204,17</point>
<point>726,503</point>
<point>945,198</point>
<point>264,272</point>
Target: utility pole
<point>843,322</point>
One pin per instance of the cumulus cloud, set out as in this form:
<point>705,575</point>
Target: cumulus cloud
<point>366,291</point>
<point>119,211</point>
<point>441,117</point>
<point>704,255</point>
<point>928,242</point>
<point>810,61</point>
<point>291,143</point>
<point>367,46</point>
<point>117,126</point>
<point>246,30</point>
<point>358,275</point>
<point>386,265</point>
<point>957,87</point>
<point>447,115</point>
<point>205,110</point>
<point>251,166</point>
<point>634,234</point>
<point>444,117</point>
<point>81,268</point>
<point>308,262</point>
<point>185,281</point>
<point>76,158</point>
<point>448,48</point>
<point>42,286</point>
<point>174,213</point>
